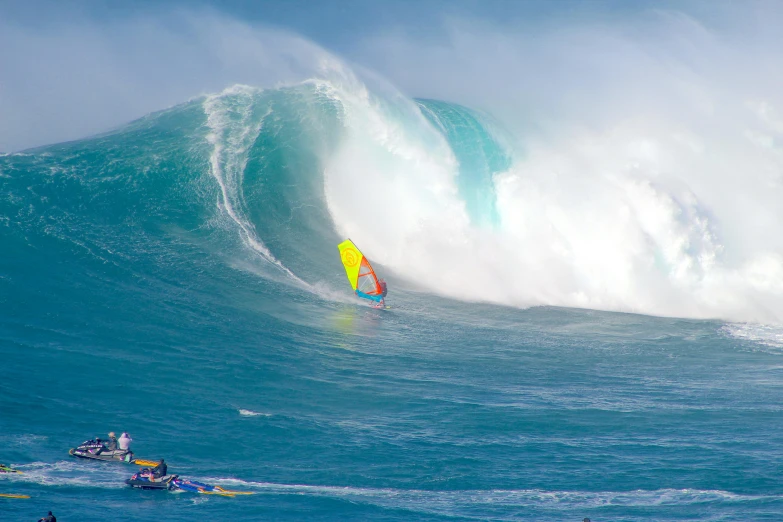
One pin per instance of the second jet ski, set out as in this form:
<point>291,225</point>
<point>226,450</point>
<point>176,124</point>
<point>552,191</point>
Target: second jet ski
<point>96,450</point>
<point>145,479</point>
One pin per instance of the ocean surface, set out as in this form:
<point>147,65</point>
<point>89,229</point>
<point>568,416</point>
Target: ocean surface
<point>178,278</point>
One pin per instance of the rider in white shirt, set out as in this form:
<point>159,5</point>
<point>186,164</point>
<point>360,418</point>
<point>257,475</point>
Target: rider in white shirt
<point>125,441</point>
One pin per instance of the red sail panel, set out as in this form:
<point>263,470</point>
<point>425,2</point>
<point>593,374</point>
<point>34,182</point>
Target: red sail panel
<point>368,281</point>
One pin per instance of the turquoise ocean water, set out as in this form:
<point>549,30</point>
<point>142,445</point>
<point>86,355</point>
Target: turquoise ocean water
<point>178,278</point>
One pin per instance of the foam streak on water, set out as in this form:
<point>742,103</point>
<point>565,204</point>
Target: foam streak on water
<point>234,127</point>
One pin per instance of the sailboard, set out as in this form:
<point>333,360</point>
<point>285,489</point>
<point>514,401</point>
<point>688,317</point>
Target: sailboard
<point>359,271</point>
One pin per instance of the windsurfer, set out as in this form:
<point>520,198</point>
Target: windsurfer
<point>361,275</point>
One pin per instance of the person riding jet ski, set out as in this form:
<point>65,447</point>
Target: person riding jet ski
<point>112,444</point>
<point>160,470</point>
<point>125,441</point>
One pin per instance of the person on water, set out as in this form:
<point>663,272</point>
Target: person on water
<point>48,518</point>
<point>125,441</point>
<point>112,444</point>
<point>160,470</point>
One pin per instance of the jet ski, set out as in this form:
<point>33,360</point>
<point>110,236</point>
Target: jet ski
<point>8,469</point>
<point>94,449</point>
<point>145,480</point>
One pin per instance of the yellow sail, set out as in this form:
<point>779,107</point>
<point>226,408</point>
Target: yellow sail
<point>352,261</point>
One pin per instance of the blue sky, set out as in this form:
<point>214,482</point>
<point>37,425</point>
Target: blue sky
<point>338,23</point>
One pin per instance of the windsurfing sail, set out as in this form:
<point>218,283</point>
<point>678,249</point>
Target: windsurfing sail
<point>359,271</point>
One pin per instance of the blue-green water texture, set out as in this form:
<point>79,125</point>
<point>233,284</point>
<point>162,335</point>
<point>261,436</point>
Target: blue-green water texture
<point>178,279</point>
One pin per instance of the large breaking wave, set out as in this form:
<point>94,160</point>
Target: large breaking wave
<point>645,215</point>
<point>437,193</point>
